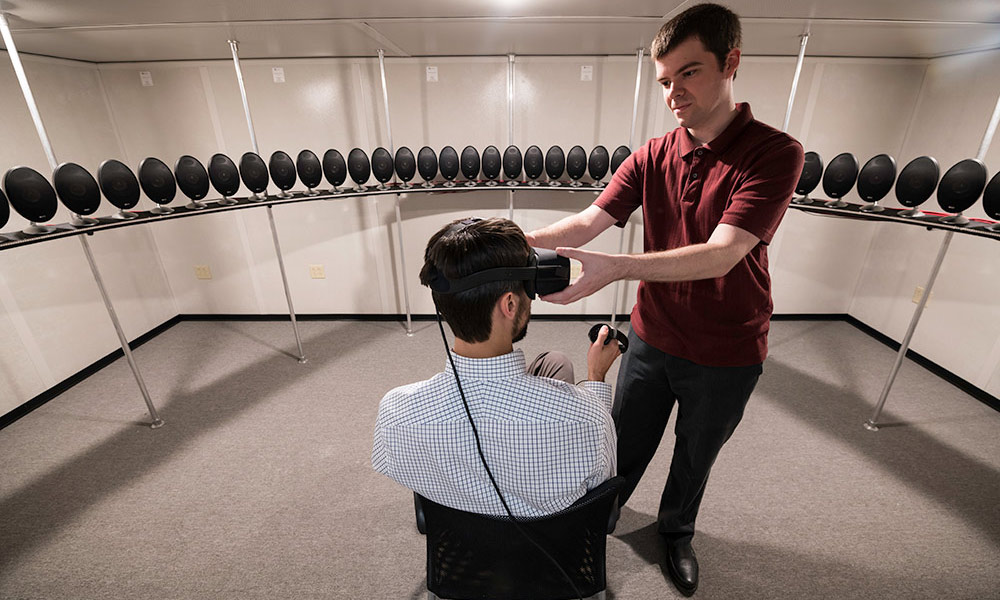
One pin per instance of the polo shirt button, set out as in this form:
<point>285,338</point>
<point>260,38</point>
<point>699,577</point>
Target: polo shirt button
<point>694,176</point>
<point>699,152</point>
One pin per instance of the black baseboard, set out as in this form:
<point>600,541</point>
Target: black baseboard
<point>84,373</point>
<point>62,386</point>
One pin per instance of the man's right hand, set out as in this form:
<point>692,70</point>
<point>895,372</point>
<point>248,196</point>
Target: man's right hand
<point>600,357</point>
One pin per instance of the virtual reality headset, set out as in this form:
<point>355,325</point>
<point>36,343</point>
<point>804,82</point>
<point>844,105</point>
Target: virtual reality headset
<point>546,273</point>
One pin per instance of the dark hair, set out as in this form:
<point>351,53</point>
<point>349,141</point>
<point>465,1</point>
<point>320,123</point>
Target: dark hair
<point>464,247</point>
<point>716,26</point>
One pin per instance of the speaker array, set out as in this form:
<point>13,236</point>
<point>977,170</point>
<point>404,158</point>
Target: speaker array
<point>29,193</point>
<point>957,191</point>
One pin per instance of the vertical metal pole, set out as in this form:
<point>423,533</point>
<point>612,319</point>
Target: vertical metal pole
<point>510,125</point>
<point>43,136</point>
<point>399,216</point>
<point>234,46</point>
<point>795,79</point>
<point>872,423</point>
<point>631,146</point>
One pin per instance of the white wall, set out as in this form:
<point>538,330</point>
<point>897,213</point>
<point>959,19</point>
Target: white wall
<point>819,265</point>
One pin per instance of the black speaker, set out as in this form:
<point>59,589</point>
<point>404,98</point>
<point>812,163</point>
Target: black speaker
<point>359,168</point>
<point>382,166</point>
<point>576,164</point>
<point>512,163</point>
<point>427,165</point>
<point>282,171</point>
<point>334,169</point>
<point>470,165</point>
<point>448,163</point>
<point>839,178</point>
<point>491,164</point>
<point>310,171</point>
<point>192,178</point>
<point>875,181</point>
<point>225,177</point>
<point>534,164</point>
<point>78,190</point>
<point>991,201</point>
<point>32,197</point>
<point>157,182</point>
<point>406,165</point>
<point>597,164</point>
<point>555,164</point>
<point>812,172</point>
<point>960,187</point>
<point>253,172</point>
<point>618,157</point>
<point>119,185</point>
<point>916,183</point>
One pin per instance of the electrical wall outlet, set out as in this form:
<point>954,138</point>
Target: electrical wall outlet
<point>317,272</point>
<point>918,293</point>
<point>202,272</point>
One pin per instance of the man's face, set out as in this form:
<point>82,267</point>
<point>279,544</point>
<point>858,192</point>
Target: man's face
<point>694,87</point>
<point>523,316</point>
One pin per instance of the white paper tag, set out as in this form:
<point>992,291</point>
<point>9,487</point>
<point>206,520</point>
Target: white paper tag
<point>587,73</point>
<point>146,78</point>
<point>432,73</point>
<point>278,73</point>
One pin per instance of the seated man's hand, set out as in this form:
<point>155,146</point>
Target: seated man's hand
<point>600,357</point>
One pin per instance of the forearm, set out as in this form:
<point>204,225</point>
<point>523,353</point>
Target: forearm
<point>572,231</point>
<point>689,263</point>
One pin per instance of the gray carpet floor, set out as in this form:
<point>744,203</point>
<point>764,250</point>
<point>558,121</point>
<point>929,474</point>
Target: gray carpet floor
<point>260,484</point>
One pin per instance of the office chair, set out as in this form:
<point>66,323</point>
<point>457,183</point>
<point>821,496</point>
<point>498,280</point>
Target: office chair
<point>480,556</point>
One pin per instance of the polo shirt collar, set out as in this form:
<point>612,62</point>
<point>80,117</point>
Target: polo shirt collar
<point>743,117</point>
<point>504,366</point>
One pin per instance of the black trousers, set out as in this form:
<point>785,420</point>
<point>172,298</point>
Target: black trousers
<point>710,403</point>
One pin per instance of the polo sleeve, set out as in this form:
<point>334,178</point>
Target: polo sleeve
<point>624,193</point>
<point>768,182</point>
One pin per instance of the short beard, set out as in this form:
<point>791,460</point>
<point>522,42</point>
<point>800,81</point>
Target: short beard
<point>519,335</point>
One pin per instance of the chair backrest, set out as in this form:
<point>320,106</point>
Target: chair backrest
<point>480,556</point>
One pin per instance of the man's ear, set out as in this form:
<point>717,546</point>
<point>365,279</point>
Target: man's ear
<point>507,304</point>
<point>732,62</point>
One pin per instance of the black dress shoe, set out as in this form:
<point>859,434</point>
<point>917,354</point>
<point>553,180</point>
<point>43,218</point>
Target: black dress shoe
<point>682,565</point>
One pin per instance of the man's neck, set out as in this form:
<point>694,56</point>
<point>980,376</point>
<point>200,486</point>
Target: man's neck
<point>716,125</point>
<point>488,349</point>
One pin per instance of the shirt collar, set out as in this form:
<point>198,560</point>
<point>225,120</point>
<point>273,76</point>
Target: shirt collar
<point>743,117</point>
<point>504,366</point>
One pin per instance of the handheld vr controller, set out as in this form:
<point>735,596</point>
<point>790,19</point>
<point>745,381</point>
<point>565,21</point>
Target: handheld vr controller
<point>613,334</point>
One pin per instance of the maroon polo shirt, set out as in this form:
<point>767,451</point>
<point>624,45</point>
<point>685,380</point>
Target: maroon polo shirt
<point>745,178</point>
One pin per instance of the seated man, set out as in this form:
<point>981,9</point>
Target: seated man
<point>546,441</point>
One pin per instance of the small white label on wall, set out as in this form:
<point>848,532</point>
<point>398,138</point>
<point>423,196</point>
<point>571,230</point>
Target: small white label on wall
<point>278,73</point>
<point>587,73</point>
<point>146,78</point>
<point>432,73</point>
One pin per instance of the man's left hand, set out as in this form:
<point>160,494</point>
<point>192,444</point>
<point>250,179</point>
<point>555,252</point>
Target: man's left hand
<point>599,270</point>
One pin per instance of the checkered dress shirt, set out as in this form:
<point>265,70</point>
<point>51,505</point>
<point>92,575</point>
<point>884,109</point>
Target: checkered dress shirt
<point>546,441</point>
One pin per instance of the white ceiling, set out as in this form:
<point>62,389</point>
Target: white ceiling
<point>149,30</point>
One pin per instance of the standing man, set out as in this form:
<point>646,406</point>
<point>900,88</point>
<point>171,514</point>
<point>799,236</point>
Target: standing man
<point>712,192</point>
